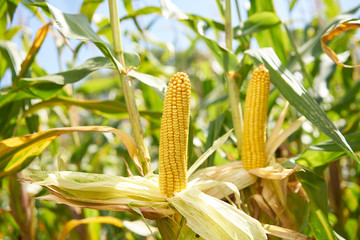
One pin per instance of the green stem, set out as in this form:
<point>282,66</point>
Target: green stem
<point>127,89</point>
<point>238,10</point>
<point>236,111</point>
<point>116,32</point>
<point>228,25</point>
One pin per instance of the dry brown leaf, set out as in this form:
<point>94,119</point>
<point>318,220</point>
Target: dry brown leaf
<point>274,172</point>
<point>274,192</point>
<point>257,205</point>
<point>327,37</point>
<point>284,233</point>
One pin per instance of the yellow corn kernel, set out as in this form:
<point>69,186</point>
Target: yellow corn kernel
<point>253,152</point>
<point>174,132</point>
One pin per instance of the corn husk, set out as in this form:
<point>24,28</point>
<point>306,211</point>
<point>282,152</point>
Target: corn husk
<point>275,172</point>
<point>103,192</point>
<point>233,173</point>
<point>214,219</point>
<point>106,192</point>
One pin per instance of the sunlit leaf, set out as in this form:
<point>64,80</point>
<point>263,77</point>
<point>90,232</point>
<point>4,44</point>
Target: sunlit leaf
<point>107,108</point>
<point>132,59</point>
<point>75,74</point>
<point>18,152</point>
<point>77,26</point>
<point>89,7</point>
<point>46,86</point>
<point>333,8</point>
<point>326,152</point>
<point>227,60</point>
<point>13,55</point>
<point>156,84</point>
<point>256,23</point>
<point>171,11</point>
<point>142,11</point>
<point>273,37</point>
<point>38,41</point>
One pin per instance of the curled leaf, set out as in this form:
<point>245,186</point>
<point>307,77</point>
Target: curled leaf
<point>327,37</point>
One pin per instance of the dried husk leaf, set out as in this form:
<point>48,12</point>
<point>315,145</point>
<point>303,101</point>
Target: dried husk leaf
<point>274,172</point>
<point>140,228</point>
<point>233,173</point>
<point>214,219</point>
<point>220,190</point>
<point>99,191</point>
<point>275,194</point>
<point>258,205</point>
<point>277,138</point>
<point>327,37</point>
<point>284,233</point>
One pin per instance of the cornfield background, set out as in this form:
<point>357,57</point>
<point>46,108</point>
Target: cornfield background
<point>61,69</point>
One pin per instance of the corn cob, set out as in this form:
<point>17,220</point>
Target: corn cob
<point>253,152</point>
<point>174,134</point>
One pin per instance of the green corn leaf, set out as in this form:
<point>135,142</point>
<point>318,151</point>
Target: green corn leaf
<point>89,7</point>
<point>12,55</point>
<point>256,23</point>
<point>17,153</point>
<point>46,86</point>
<point>316,189</point>
<point>326,152</point>
<point>107,108</point>
<point>75,74</point>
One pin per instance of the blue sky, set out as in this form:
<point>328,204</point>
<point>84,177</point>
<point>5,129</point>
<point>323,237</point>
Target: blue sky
<point>166,30</point>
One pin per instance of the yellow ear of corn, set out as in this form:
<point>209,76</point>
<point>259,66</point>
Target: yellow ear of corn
<point>174,134</point>
<point>253,152</point>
